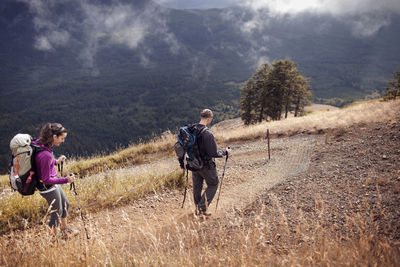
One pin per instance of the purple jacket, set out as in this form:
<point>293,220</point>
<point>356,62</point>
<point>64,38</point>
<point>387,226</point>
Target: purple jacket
<point>46,166</point>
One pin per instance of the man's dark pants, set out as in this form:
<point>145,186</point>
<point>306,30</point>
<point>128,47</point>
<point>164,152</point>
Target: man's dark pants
<point>210,175</point>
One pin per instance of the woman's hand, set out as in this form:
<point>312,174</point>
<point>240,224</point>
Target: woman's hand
<point>61,159</point>
<point>71,178</point>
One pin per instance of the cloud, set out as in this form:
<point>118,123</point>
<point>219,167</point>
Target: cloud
<point>365,17</point>
<point>50,35</point>
<point>121,23</point>
<point>51,39</point>
<point>333,7</point>
<point>252,26</point>
<point>253,19</point>
<point>369,25</point>
<point>195,4</point>
<point>42,43</point>
<point>94,25</point>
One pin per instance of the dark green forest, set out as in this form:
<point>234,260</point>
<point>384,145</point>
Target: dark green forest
<point>120,95</point>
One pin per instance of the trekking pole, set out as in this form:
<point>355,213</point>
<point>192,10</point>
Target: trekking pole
<point>80,209</point>
<point>187,181</point>
<point>222,179</point>
<point>60,168</point>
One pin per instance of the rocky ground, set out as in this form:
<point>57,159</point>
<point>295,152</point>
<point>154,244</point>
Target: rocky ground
<point>351,188</point>
<point>334,180</point>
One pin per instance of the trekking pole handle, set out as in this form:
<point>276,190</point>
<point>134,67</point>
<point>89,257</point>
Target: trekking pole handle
<point>227,152</point>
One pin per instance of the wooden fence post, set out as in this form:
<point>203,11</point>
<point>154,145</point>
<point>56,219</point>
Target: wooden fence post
<point>327,136</point>
<point>269,148</point>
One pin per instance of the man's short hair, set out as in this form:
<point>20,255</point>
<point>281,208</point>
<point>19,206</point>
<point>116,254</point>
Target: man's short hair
<point>206,113</point>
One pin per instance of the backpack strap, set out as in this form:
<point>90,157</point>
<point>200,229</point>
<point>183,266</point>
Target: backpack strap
<point>198,136</point>
<point>39,148</point>
<point>200,131</point>
<point>35,150</point>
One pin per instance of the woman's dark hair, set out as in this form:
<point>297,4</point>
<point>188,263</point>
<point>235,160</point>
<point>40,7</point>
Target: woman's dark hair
<point>47,132</point>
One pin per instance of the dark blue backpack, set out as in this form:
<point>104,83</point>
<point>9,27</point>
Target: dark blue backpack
<point>187,147</point>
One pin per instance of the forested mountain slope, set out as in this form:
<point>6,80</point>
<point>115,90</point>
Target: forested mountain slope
<point>114,72</point>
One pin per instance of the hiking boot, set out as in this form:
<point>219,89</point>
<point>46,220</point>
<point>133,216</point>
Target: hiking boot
<point>197,212</point>
<point>205,213</point>
<point>68,232</point>
<point>201,211</point>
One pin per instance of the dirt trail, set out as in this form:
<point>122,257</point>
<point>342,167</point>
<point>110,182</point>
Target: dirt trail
<point>248,174</point>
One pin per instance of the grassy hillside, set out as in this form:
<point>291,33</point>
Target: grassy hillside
<point>109,180</point>
<point>287,225</point>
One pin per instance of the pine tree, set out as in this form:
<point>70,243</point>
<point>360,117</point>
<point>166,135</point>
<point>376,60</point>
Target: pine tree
<point>301,95</point>
<point>247,99</point>
<point>253,95</point>
<point>273,90</point>
<point>393,91</point>
<point>262,88</point>
<point>276,81</point>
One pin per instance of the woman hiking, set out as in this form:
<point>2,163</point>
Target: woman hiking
<point>53,134</point>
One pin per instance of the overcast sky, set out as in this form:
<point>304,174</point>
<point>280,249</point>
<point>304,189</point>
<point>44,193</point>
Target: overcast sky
<point>334,7</point>
<point>197,3</point>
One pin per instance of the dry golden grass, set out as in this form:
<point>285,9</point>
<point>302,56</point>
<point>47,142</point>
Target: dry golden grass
<point>4,181</point>
<point>108,189</point>
<point>259,239</point>
<point>361,112</point>
<point>112,183</point>
<point>135,154</point>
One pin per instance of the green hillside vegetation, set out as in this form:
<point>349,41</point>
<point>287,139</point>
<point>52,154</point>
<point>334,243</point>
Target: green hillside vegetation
<point>120,99</point>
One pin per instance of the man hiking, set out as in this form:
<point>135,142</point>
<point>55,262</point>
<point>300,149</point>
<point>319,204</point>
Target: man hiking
<point>208,151</point>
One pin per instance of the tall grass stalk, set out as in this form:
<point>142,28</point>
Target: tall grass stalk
<point>357,113</point>
<point>4,182</point>
<point>159,147</point>
<point>255,237</point>
<point>95,193</point>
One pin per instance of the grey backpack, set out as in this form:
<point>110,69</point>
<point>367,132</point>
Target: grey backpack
<point>23,170</point>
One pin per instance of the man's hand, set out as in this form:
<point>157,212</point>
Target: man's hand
<point>181,163</point>
<point>228,150</point>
